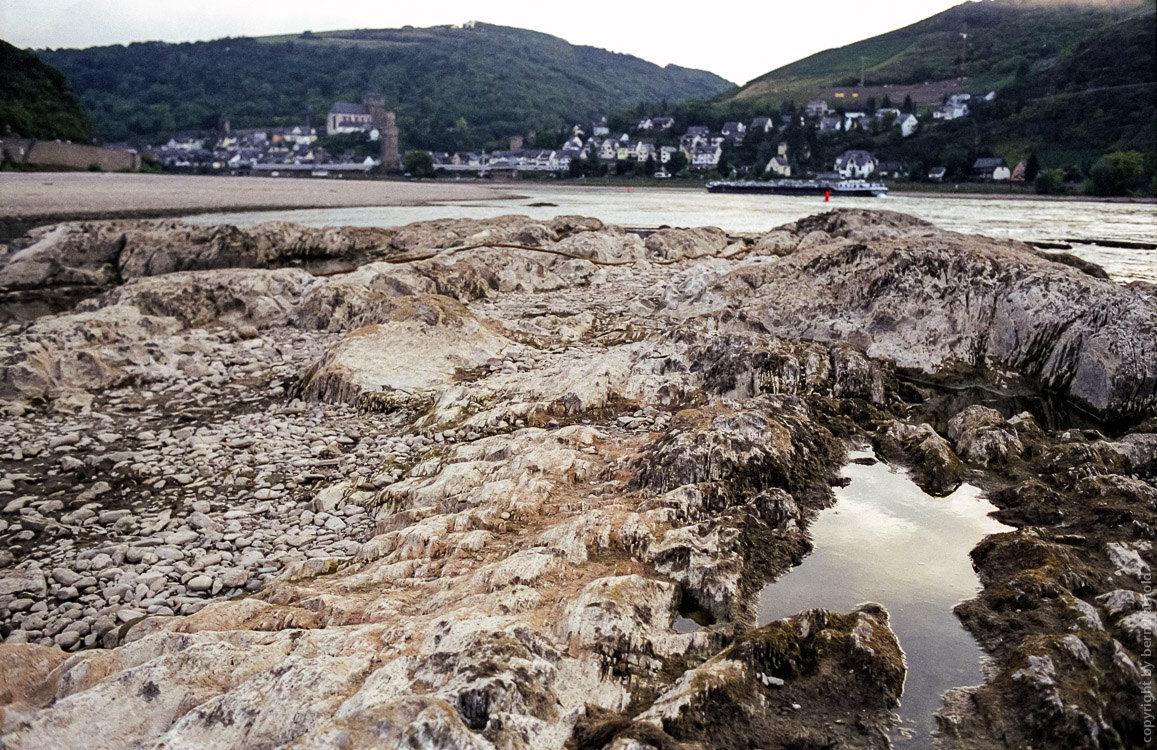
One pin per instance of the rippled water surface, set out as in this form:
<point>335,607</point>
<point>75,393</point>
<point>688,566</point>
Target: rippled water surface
<point>886,541</point>
<point>1022,219</point>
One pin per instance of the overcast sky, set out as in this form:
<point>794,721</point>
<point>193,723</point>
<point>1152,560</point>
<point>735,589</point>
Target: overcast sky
<point>737,40</point>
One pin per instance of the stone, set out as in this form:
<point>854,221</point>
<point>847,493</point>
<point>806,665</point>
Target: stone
<point>23,581</point>
<point>200,583</point>
<point>65,577</point>
<point>983,436</point>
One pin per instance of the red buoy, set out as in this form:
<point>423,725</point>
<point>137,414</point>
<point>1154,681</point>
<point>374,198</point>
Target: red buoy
<point>827,196</point>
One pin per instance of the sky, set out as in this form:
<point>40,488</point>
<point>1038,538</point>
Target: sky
<point>736,40</point>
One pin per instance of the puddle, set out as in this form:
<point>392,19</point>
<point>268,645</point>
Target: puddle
<point>691,618</point>
<point>886,541</point>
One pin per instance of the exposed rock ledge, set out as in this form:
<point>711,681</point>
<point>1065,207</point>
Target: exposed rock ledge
<point>512,471</point>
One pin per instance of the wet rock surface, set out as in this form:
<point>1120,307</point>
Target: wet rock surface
<point>458,498</point>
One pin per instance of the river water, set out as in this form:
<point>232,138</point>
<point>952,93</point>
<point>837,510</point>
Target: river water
<point>888,542</point>
<point>1021,219</point>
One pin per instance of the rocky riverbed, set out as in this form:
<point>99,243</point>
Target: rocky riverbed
<point>451,485</point>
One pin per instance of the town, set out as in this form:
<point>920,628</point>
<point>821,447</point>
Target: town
<point>777,146</point>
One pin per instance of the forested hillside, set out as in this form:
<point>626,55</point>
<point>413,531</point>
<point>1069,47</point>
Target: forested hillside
<point>452,87</point>
<point>35,100</point>
<point>1074,80</point>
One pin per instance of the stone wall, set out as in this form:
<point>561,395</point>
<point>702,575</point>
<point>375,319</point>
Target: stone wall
<point>75,155</point>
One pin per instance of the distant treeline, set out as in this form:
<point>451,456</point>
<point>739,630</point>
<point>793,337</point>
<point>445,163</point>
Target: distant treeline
<point>452,88</point>
<point>36,101</point>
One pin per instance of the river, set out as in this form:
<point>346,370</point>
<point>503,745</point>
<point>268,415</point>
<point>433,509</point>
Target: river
<point>1021,218</point>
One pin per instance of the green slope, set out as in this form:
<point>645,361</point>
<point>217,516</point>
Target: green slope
<point>1075,79</point>
<point>1005,39</point>
<point>451,87</point>
<point>35,100</point>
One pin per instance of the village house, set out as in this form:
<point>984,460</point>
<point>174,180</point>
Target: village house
<point>818,108</point>
<point>953,109</point>
<point>761,125</point>
<point>1018,171</point>
<point>995,169</point>
<point>855,164</point>
<point>891,169</point>
<point>779,165</point>
<point>853,120</point>
<point>706,157</point>
<point>185,144</point>
<point>734,132</point>
<point>645,124</point>
<point>600,129</point>
<point>908,124</point>
<point>665,153</point>
<point>663,123</point>
<point>298,134</point>
<point>831,124</point>
<point>936,174</point>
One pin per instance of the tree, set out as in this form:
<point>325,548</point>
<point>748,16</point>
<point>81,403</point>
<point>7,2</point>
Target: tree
<point>887,103</point>
<point>907,103</point>
<point>677,163</point>
<point>1031,167</point>
<point>1050,182</point>
<point>419,163</point>
<point>1116,173</point>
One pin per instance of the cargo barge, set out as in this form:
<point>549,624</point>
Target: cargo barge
<point>859,188</point>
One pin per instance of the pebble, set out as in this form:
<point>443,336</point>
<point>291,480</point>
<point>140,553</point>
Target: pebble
<point>65,577</point>
<point>67,639</point>
<point>200,583</point>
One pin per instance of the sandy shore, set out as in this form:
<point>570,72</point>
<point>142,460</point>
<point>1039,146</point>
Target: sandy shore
<point>78,194</point>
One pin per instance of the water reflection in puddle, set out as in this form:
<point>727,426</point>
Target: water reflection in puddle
<point>886,541</point>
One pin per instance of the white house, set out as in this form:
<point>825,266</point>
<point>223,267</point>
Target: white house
<point>991,169</point>
<point>855,163</point>
<point>706,157</point>
<point>780,166</point>
<point>831,124</point>
<point>852,120</point>
<point>907,124</point>
<point>735,131</point>
<point>950,111</point>
<point>665,153</point>
<point>818,108</point>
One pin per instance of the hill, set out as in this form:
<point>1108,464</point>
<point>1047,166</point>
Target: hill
<point>1074,80</point>
<point>35,100</point>
<point>452,87</point>
<point>992,43</point>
